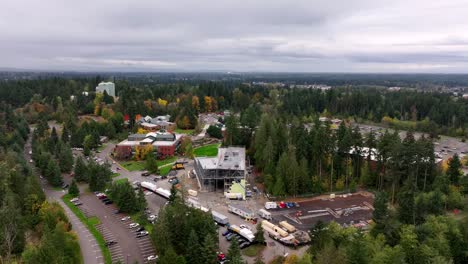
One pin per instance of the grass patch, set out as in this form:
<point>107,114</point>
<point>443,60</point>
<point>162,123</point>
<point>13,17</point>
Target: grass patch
<point>210,150</point>
<point>253,250</point>
<point>184,131</point>
<point>121,180</point>
<point>115,175</point>
<point>90,224</point>
<point>133,165</point>
<point>166,161</point>
<point>94,220</point>
<point>165,170</point>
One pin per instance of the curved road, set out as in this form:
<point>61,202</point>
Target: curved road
<point>89,248</point>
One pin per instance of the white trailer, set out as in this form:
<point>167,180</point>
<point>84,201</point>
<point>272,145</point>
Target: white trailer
<point>244,232</point>
<point>241,211</point>
<point>264,214</point>
<point>163,192</point>
<point>275,228</point>
<point>220,218</point>
<point>233,196</point>
<point>149,186</point>
<point>270,205</point>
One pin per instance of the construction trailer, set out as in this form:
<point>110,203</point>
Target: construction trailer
<point>264,214</point>
<point>275,228</point>
<point>219,173</point>
<point>241,211</point>
<point>287,226</point>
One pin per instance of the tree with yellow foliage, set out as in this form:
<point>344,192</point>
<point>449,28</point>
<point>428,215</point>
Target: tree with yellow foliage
<point>142,131</point>
<point>162,102</point>
<point>97,103</point>
<point>208,106</point>
<point>196,103</point>
<point>142,151</point>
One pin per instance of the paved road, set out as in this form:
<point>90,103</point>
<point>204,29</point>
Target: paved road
<point>89,249</point>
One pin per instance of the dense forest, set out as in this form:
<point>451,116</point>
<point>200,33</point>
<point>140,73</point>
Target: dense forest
<point>31,229</point>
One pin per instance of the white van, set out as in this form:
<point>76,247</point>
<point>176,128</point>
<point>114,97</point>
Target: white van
<point>270,205</point>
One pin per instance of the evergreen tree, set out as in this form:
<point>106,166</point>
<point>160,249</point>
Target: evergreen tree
<point>380,214</point>
<point>194,249</point>
<point>150,163</point>
<point>259,235</point>
<point>142,203</point>
<point>80,170</point>
<point>234,254</point>
<point>173,197</point>
<point>54,136</point>
<point>52,173</point>
<point>454,169</point>
<point>73,189</point>
<point>65,134</point>
<point>209,250</point>
<point>65,157</point>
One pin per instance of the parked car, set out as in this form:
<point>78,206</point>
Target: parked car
<point>74,200</point>
<point>77,203</point>
<point>142,234</point>
<point>244,245</point>
<point>65,185</point>
<point>125,218</point>
<point>151,258</point>
<point>141,228</point>
<point>133,225</point>
<point>117,211</point>
<point>110,243</point>
<point>152,218</point>
<point>108,202</point>
<point>145,174</point>
<point>227,232</point>
<point>157,178</point>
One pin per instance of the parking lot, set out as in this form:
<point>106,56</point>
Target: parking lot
<point>344,209</point>
<point>128,248</point>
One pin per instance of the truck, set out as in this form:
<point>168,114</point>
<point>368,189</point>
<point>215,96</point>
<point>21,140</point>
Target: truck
<point>241,211</point>
<point>275,228</point>
<point>264,214</point>
<point>220,218</point>
<point>233,196</point>
<point>270,205</point>
<point>149,186</point>
<point>287,226</point>
<point>244,232</point>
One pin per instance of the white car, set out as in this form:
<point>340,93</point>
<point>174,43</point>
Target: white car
<point>152,257</point>
<point>30,161</point>
<point>125,218</point>
<point>151,217</point>
<point>74,200</point>
<point>133,225</point>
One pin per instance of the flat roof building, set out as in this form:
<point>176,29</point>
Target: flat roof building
<point>109,87</point>
<point>220,172</point>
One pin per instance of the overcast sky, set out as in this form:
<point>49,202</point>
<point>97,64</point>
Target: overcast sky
<point>225,35</point>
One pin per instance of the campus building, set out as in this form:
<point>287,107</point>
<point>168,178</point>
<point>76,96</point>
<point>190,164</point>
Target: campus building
<point>109,87</point>
<point>156,123</point>
<point>219,173</point>
<point>164,144</point>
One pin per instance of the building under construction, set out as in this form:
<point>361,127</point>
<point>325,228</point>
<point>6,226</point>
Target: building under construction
<point>218,173</point>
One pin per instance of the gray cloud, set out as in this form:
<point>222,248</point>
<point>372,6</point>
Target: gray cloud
<point>262,35</point>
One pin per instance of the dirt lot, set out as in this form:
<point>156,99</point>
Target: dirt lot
<point>344,210</point>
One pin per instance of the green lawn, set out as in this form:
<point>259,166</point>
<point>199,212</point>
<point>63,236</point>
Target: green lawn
<point>121,180</point>
<point>115,175</point>
<point>207,150</point>
<point>165,170</point>
<point>253,250</point>
<point>90,224</point>
<point>184,131</point>
<point>133,165</point>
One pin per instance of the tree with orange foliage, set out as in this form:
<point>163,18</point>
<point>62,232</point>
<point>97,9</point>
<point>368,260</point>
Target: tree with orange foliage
<point>185,122</point>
